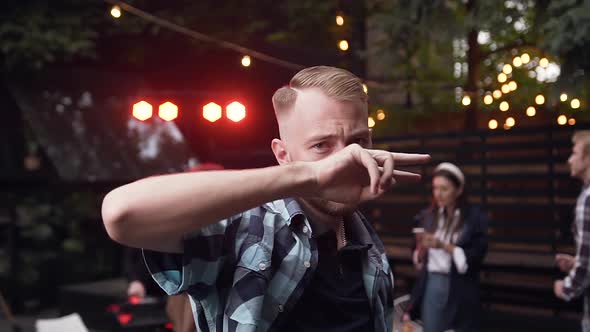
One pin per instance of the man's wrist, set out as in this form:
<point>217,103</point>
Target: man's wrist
<point>305,180</point>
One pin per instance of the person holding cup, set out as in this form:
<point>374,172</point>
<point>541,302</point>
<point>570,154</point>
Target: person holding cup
<point>451,243</point>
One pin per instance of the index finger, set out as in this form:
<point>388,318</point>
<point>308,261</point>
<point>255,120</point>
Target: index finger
<point>410,158</point>
<point>404,159</point>
<point>372,168</point>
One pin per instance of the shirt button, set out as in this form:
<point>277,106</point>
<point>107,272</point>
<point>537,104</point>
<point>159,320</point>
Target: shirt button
<point>262,266</point>
<point>306,264</point>
<point>281,309</point>
<point>305,229</point>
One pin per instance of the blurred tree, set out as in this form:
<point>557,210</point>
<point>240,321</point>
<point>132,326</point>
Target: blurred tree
<point>430,46</point>
<point>34,33</point>
<point>568,36</point>
<point>60,241</point>
<point>447,52</point>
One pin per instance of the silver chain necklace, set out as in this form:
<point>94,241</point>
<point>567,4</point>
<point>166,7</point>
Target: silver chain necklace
<point>341,235</point>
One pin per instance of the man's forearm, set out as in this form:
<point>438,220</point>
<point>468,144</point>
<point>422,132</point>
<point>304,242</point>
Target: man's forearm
<point>155,213</point>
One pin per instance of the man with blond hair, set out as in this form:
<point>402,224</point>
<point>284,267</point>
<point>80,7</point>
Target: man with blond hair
<point>577,282</point>
<point>279,248</point>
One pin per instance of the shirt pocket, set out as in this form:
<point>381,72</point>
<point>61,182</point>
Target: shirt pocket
<point>256,258</point>
<point>250,283</point>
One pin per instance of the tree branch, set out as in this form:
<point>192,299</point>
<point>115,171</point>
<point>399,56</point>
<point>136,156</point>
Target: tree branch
<point>517,44</point>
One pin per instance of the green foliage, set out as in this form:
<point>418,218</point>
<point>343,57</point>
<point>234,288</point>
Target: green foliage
<point>568,36</point>
<point>425,50</point>
<point>61,240</point>
<point>304,18</point>
<point>35,33</point>
<point>409,42</point>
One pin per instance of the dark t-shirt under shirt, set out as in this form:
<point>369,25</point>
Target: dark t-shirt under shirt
<point>335,299</point>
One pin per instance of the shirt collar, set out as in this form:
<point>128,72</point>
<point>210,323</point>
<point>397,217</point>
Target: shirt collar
<point>292,212</point>
<point>292,209</point>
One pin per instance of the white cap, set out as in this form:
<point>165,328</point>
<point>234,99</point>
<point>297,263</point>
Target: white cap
<point>453,169</point>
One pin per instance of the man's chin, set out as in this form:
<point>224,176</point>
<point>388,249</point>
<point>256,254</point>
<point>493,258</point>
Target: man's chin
<point>331,208</point>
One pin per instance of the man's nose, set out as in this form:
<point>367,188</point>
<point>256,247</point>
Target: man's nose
<point>339,146</point>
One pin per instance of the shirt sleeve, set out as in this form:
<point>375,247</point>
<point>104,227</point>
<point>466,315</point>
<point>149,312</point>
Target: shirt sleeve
<point>579,277</point>
<point>460,260</point>
<point>198,267</point>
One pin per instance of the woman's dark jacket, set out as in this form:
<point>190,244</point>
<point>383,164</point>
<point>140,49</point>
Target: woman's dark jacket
<point>464,294</point>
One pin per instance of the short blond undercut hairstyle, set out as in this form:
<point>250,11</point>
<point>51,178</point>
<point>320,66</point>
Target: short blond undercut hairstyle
<point>582,136</point>
<point>338,84</point>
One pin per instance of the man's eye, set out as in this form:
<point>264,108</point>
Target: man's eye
<point>319,145</point>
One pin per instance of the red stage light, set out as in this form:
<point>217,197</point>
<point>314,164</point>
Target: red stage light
<point>168,111</point>
<point>142,110</point>
<point>212,112</point>
<point>235,111</point>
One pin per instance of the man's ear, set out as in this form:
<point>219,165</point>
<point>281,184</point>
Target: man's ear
<point>280,151</point>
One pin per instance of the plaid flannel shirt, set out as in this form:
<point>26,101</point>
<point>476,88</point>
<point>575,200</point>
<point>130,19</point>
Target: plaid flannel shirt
<point>245,273</point>
<point>577,281</point>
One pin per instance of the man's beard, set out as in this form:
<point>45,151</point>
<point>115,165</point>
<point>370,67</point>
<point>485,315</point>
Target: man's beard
<point>331,208</point>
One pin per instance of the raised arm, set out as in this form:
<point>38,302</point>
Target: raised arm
<point>156,212</point>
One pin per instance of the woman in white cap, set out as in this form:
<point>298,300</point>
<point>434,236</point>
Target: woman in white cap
<point>448,256</point>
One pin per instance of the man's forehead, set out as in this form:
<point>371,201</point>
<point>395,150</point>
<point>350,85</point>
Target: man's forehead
<point>334,132</point>
<point>308,92</point>
<point>311,96</point>
<point>316,114</point>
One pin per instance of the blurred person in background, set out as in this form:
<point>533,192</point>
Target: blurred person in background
<point>577,267</point>
<point>140,282</point>
<point>448,256</point>
<point>141,285</point>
